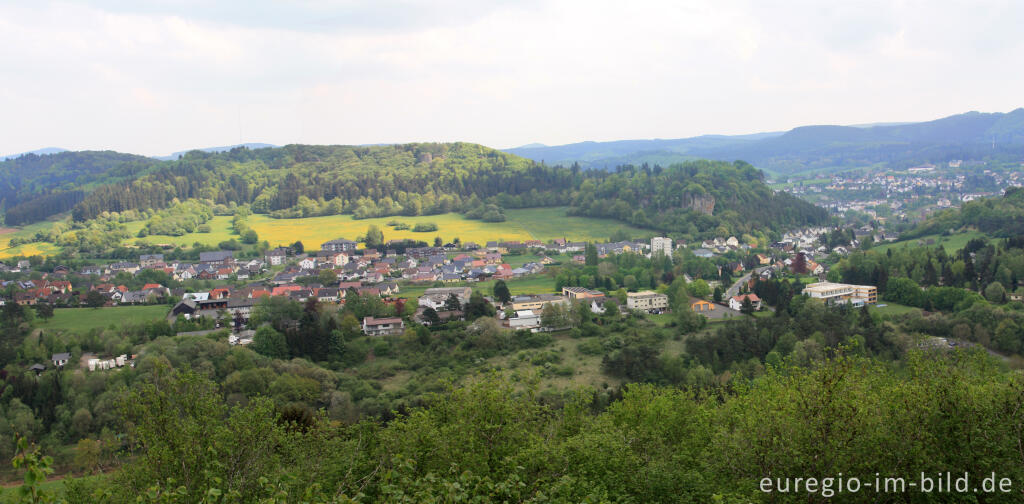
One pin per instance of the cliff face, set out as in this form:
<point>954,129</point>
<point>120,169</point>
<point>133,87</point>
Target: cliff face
<point>703,203</point>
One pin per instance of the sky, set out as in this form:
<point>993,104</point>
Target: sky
<point>161,76</point>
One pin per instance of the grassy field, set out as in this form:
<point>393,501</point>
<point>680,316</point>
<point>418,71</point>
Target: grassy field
<point>532,284</point>
<point>29,249</point>
<point>549,223</point>
<point>88,318</point>
<point>951,243</point>
<point>586,369</point>
<point>522,224</point>
<point>9,495</point>
<point>220,230</point>
<point>893,309</point>
<point>662,319</point>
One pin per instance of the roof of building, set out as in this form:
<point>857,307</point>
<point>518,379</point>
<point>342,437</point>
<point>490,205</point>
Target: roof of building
<point>753,297</point>
<point>381,321</point>
<point>219,255</point>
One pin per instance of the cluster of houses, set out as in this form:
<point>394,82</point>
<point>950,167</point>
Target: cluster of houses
<point>718,246</point>
<point>32,292</point>
<point>94,364</point>
<point>62,359</point>
<point>214,265</point>
<point>422,264</point>
<point>919,187</point>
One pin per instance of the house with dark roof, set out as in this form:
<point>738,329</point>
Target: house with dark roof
<point>60,359</point>
<point>217,257</point>
<point>150,260</point>
<point>276,257</point>
<point>383,326</point>
<point>339,245</point>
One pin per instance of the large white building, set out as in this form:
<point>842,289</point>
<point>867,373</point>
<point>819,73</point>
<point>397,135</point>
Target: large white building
<point>648,301</point>
<point>661,244</point>
<point>436,297</point>
<point>524,319</point>
<point>833,293</point>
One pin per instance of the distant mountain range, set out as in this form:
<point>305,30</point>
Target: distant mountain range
<point>39,152</point>
<point>254,146</point>
<point>172,156</point>
<point>813,148</point>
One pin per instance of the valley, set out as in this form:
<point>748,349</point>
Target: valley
<point>302,297</point>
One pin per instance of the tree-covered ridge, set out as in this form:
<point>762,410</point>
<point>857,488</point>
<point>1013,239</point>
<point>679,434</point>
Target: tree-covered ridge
<point>33,187</point>
<point>423,179</point>
<point>302,180</point>
<point>1002,217</point>
<point>671,199</point>
<point>695,198</point>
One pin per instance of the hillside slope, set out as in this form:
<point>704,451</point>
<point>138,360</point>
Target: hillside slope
<point>694,198</point>
<point>33,187</point>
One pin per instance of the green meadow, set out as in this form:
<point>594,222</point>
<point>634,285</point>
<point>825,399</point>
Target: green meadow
<point>951,243</point>
<point>29,249</point>
<point>532,284</point>
<point>88,318</point>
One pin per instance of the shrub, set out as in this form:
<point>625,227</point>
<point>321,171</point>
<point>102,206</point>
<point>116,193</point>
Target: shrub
<point>424,227</point>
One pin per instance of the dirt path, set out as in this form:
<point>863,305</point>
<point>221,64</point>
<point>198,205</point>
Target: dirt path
<point>52,477</point>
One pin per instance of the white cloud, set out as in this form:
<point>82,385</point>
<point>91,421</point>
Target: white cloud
<point>155,77</point>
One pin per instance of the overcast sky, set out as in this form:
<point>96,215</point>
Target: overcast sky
<point>160,76</point>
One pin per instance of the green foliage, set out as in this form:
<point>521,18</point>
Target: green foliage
<point>424,227</point>
<point>180,219</point>
<point>305,181</point>
<point>188,435</point>
<point>269,342</point>
<point>374,237</point>
<point>698,289</point>
<point>1001,216</point>
<point>494,439</point>
<point>478,307</point>
<point>678,199</point>
<point>37,467</point>
<point>501,292</point>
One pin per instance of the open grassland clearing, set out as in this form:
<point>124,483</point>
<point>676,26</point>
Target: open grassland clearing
<point>887,308</point>
<point>531,284</point>
<point>951,243</point>
<point>543,224</point>
<point>550,223</point>
<point>28,249</point>
<point>83,319</point>
<point>220,230</point>
<point>523,224</point>
<point>570,370</point>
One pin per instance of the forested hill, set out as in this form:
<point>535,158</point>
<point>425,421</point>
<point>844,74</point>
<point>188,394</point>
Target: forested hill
<point>694,198</point>
<point>371,181</point>
<point>33,187</point>
<point>431,178</point>
<point>1001,217</point>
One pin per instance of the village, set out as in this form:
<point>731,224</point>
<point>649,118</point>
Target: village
<point>907,193</point>
<point>443,277</point>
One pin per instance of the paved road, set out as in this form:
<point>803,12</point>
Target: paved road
<point>735,288</point>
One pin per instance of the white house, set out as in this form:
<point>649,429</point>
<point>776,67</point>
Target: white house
<point>383,326</point>
<point>60,359</point>
<point>524,319</point>
<point>736,302</point>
